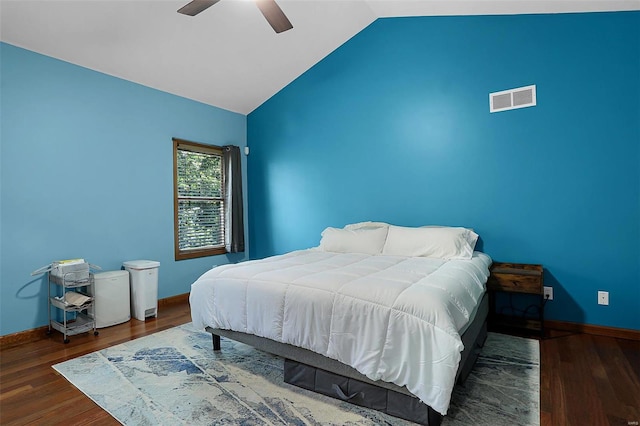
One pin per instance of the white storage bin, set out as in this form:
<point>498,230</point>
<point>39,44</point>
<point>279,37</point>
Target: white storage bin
<point>144,287</point>
<point>112,301</point>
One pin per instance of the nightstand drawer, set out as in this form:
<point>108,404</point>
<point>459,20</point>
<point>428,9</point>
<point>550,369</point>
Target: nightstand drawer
<point>515,283</point>
<point>516,278</point>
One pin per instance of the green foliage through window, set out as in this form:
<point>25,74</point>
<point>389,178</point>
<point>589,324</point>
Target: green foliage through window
<point>199,198</point>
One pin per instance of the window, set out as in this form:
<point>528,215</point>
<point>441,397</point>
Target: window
<point>199,210</point>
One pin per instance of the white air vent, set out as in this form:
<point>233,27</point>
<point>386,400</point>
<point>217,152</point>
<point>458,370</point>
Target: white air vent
<point>520,97</point>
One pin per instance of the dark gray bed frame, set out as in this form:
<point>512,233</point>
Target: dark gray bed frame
<point>473,339</point>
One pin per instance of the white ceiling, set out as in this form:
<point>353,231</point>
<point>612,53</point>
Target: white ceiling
<point>227,56</point>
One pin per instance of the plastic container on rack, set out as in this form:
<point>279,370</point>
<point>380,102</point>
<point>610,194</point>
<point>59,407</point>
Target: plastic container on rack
<point>112,300</point>
<point>70,270</point>
<point>144,287</point>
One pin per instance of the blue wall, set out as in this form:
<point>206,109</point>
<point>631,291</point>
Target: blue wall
<point>87,172</point>
<point>395,126</point>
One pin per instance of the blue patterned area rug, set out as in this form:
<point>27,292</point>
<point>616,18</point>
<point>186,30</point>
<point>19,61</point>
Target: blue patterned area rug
<point>174,378</point>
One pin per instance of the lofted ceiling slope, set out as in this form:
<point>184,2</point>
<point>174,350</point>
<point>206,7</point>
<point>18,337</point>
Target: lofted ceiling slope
<point>228,56</point>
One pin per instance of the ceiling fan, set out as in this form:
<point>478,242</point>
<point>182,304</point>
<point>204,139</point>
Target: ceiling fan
<point>269,8</point>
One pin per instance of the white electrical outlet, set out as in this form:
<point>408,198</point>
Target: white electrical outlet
<point>603,298</point>
<point>548,293</point>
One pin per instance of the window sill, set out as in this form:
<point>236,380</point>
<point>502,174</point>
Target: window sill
<point>192,254</point>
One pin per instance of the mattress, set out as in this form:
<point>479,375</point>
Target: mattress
<point>392,318</point>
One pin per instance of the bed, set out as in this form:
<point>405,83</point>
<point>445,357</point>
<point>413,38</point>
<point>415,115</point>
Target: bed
<point>402,310</point>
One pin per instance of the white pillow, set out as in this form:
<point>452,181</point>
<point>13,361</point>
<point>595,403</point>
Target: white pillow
<point>438,242</point>
<point>366,225</point>
<point>369,241</point>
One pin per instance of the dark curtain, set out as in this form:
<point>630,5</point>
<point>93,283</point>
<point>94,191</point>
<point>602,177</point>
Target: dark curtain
<point>234,216</point>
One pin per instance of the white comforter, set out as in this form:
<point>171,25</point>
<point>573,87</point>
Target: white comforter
<point>391,318</point>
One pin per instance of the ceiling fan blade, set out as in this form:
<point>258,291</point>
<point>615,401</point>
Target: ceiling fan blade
<point>274,15</point>
<point>196,6</point>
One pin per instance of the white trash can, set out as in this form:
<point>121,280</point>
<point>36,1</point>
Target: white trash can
<point>144,287</point>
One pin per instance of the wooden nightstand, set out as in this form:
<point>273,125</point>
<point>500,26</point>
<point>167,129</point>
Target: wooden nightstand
<point>514,278</point>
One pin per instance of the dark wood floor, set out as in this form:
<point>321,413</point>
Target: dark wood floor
<point>589,380</point>
<point>585,379</point>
